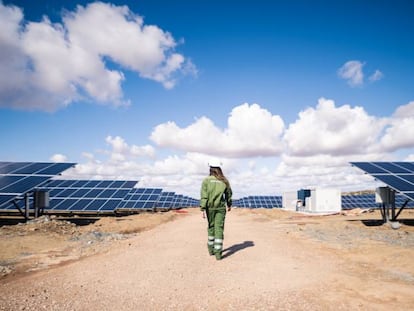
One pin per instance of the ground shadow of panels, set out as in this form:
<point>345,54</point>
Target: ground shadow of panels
<point>20,178</point>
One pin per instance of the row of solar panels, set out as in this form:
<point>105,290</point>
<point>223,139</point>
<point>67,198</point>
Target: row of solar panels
<point>105,196</point>
<point>20,178</point>
<point>348,201</point>
<point>109,200</point>
<point>259,202</point>
<point>368,201</point>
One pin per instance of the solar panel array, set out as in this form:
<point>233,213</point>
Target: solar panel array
<point>105,196</point>
<point>368,201</point>
<point>189,201</point>
<point>397,175</point>
<point>142,198</point>
<point>259,202</point>
<point>18,178</point>
<point>87,195</point>
<point>166,200</point>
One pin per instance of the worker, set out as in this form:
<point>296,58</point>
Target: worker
<point>216,196</point>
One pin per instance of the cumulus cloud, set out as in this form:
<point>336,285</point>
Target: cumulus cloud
<point>48,65</point>
<point>58,158</point>
<point>376,76</point>
<point>352,72</point>
<point>400,130</point>
<point>121,150</point>
<point>180,173</point>
<point>251,131</point>
<point>328,129</point>
<point>325,170</point>
<point>315,151</point>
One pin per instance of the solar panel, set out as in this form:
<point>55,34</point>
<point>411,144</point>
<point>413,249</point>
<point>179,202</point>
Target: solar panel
<point>140,198</point>
<point>19,178</point>
<point>33,168</point>
<point>350,201</point>
<point>189,202</point>
<point>397,175</point>
<point>87,195</point>
<point>259,202</point>
<point>166,200</point>
<point>177,201</point>
<point>79,196</point>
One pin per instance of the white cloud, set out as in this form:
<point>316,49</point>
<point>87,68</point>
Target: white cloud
<point>326,171</point>
<point>333,130</point>
<point>251,131</point>
<point>121,150</point>
<point>376,76</point>
<point>404,111</point>
<point>317,150</point>
<point>352,72</point>
<point>410,158</point>
<point>58,158</point>
<point>48,65</point>
<point>400,132</point>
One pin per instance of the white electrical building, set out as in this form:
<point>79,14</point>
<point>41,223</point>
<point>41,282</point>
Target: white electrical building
<point>324,200</point>
<point>289,200</point>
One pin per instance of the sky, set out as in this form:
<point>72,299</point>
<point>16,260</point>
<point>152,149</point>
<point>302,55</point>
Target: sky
<point>285,94</point>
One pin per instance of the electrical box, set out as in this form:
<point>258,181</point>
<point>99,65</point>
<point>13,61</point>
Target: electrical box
<point>41,199</point>
<point>384,195</point>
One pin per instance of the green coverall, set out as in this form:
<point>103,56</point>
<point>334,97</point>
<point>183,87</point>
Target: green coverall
<point>215,197</point>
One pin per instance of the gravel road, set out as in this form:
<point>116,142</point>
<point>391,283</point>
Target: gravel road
<point>266,266</point>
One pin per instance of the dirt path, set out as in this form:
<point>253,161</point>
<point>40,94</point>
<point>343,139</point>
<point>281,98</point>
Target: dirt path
<point>267,265</point>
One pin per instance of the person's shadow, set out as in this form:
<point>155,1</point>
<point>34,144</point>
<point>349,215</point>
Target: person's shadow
<point>236,247</point>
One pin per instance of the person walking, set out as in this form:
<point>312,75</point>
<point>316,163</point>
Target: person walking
<point>216,196</point>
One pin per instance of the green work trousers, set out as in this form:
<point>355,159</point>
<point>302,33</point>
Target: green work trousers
<point>215,231</point>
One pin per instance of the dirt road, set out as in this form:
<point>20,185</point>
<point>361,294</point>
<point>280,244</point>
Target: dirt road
<point>268,264</point>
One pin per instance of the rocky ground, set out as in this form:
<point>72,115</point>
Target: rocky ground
<point>273,260</point>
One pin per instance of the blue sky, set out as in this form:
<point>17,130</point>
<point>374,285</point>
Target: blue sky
<point>284,93</point>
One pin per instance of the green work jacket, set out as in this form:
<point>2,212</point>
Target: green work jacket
<point>215,194</point>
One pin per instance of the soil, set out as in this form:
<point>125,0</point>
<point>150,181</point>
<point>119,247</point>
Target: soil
<point>273,260</point>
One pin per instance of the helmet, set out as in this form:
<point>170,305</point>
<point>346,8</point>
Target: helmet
<point>214,163</point>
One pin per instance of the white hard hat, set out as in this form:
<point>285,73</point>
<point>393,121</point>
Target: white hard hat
<point>214,163</point>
